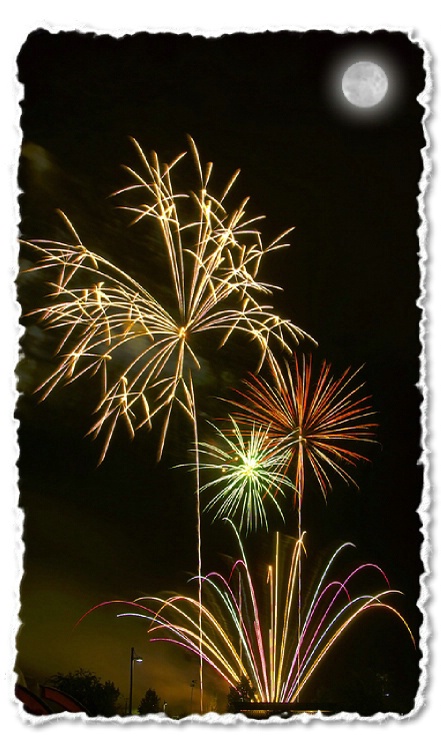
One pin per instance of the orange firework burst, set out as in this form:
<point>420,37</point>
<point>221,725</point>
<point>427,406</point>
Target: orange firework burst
<point>310,422</point>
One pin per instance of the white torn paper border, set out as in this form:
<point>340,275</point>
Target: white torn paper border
<point>424,99</point>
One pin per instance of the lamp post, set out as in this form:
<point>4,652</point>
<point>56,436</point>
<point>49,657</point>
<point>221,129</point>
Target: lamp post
<point>192,685</point>
<point>133,658</point>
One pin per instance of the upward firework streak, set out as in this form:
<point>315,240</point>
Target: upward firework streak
<point>309,423</point>
<point>249,628</point>
<point>143,348</point>
<point>117,327</point>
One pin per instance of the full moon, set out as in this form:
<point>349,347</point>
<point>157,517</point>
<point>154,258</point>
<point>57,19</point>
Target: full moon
<point>364,84</point>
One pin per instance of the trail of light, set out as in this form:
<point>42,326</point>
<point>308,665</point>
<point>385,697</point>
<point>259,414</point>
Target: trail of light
<point>318,597</point>
<point>214,281</point>
<point>370,602</point>
<point>233,622</point>
<point>289,594</point>
<point>248,473</point>
<point>213,260</point>
<point>311,423</point>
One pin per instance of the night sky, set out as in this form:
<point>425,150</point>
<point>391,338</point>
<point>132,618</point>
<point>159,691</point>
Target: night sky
<point>269,104</point>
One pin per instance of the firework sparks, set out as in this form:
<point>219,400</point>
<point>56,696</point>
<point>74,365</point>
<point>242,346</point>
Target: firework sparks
<point>249,474</point>
<point>249,626</point>
<point>143,349</point>
<point>311,423</point>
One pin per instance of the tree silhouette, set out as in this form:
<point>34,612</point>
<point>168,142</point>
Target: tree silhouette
<point>98,698</point>
<point>150,703</point>
<point>242,693</point>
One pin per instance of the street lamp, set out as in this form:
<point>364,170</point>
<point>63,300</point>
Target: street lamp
<point>133,658</point>
<point>192,685</point>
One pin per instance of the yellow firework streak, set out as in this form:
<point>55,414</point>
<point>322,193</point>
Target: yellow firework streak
<point>249,623</point>
<point>142,347</point>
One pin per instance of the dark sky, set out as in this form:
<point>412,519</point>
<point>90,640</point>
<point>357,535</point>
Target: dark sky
<point>269,104</point>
